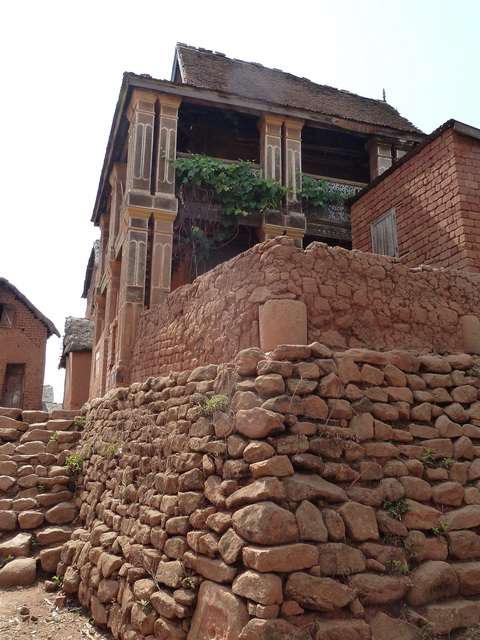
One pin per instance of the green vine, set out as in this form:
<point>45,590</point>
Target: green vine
<point>237,187</point>
<point>317,193</point>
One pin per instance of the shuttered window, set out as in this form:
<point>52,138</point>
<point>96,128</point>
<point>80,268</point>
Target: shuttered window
<point>384,235</point>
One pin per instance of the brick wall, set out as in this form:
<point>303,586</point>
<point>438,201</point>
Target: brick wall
<point>24,343</point>
<point>352,298</point>
<point>436,196</point>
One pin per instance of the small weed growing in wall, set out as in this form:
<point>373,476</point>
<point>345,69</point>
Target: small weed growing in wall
<point>214,404</point>
<point>74,463</point>
<point>474,371</point>
<point>145,605</point>
<point>57,581</point>
<point>6,560</point>
<point>440,530</point>
<point>397,567</point>
<point>41,488</point>
<point>79,422</point>
<point>54,437</point>
<point>396,508</point>
<point>429,460</point>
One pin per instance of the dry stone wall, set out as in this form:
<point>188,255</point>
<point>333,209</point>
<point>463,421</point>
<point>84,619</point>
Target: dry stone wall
<point>301,494</point>
<point>353,299</point>
<point>37,503</point>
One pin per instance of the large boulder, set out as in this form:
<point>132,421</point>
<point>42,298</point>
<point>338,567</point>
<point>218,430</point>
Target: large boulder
<point>18,573</point>
<point>265,523</point>
<point>264,588</point>
<point>218,614</point>
<point>303,486</point>
<point>279,629</point>
<point>431,581</point>
<point>379,589</point>
<point>17,545</point>
<point>283,558</point>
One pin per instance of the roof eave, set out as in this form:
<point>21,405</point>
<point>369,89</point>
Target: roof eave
<point>131,80</point>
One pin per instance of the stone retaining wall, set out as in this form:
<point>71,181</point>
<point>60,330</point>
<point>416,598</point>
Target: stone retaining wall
<point>352,299</point>
<point>36,498</point>
<point>297,495</point>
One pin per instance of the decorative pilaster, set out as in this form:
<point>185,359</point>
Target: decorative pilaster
<point>292,138</point>
<point>166,150</point>
<point>380,156</point>
<point>117,184</point>
<point>160,281</point>
<point>141,115</point>
<point>271,147</point>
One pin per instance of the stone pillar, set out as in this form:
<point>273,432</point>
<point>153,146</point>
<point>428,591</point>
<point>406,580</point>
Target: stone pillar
<point>271,147</point>
<point>470,326</point>
<point>292,158</point>
<point>282,322</point>
<point>380,154</point>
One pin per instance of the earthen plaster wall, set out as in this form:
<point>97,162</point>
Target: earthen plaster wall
<point>352,299</point>
<point>332,494</point>
<point>25,343</point>
<point>436,197</point>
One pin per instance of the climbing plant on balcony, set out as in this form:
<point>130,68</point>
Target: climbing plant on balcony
<point>318,193</point>
<point>230,191</point>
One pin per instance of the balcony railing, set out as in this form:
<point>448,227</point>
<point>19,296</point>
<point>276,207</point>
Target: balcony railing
<point>332,220</point>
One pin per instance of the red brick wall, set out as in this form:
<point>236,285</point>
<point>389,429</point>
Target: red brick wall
<point>353,299</point>
<point>436,196</point>
<point>24,343</point>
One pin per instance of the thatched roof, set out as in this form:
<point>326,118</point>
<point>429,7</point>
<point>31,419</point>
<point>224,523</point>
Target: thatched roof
<point>51,329</point>
<point>78,336</point>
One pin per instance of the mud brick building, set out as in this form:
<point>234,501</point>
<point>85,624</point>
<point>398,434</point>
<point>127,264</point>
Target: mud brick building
<point>23,338</point>
<point>76,360</point>
<point>426,209</point>
<point>288,127</point>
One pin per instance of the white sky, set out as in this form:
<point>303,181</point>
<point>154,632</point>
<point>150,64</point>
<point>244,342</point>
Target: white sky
<point>61,66</point>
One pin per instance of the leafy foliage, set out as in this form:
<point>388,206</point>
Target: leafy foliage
<point>429,460</point>
<point>74,463</point>
<point>213,404</point>
<point>441,529</point>
<point>238,186</point>
<point>397,567</point>
<point>318,194</point>
<point>396,508</point>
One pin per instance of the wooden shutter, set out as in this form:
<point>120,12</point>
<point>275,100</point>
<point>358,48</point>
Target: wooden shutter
<point>384,235</point>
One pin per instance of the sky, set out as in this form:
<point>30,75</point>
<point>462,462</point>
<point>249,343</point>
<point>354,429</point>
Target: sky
<point>61,68</point>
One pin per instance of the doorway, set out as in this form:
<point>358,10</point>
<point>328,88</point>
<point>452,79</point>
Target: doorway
<point>13,386</point>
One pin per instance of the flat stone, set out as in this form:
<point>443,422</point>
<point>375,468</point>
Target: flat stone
<point>264,588</point>
<point>262,489</point>
<point>360,520</point>
<point>320,594</point>
<point>282,558</point>
<point>210,568</point>
<point>382,624</point>
<point>30,519</point>
<point>17,545</point>
<point>61,513</point>
<point>258,422</point>
<point>49,559</point>
<point>343,630</point>
<point>218,614</point>
<point>279,466</point>
<point>230,546</point>
<point>265,523</point>
<point>338,559</point>
<point>456,614</point>
<point>379,589</point>
<point>468,574</point>
<point>310,522</point>
<point>465,518</point>
<point>420,516</point>
<point>8,520</point>
<point>279,629</point>
<point>311,486</point>
<point>464,545</point>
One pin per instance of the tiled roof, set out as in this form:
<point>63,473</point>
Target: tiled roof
<point>214,71</point>
<point>51,329</point>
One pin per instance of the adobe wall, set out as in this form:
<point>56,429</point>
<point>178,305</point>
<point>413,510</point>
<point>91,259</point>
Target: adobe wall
<point>436,196</point>
<point>24,343</point>
<point>352,299</point>
<point>77,379</point>
<point>37,503</point>
<point>335,495</point>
